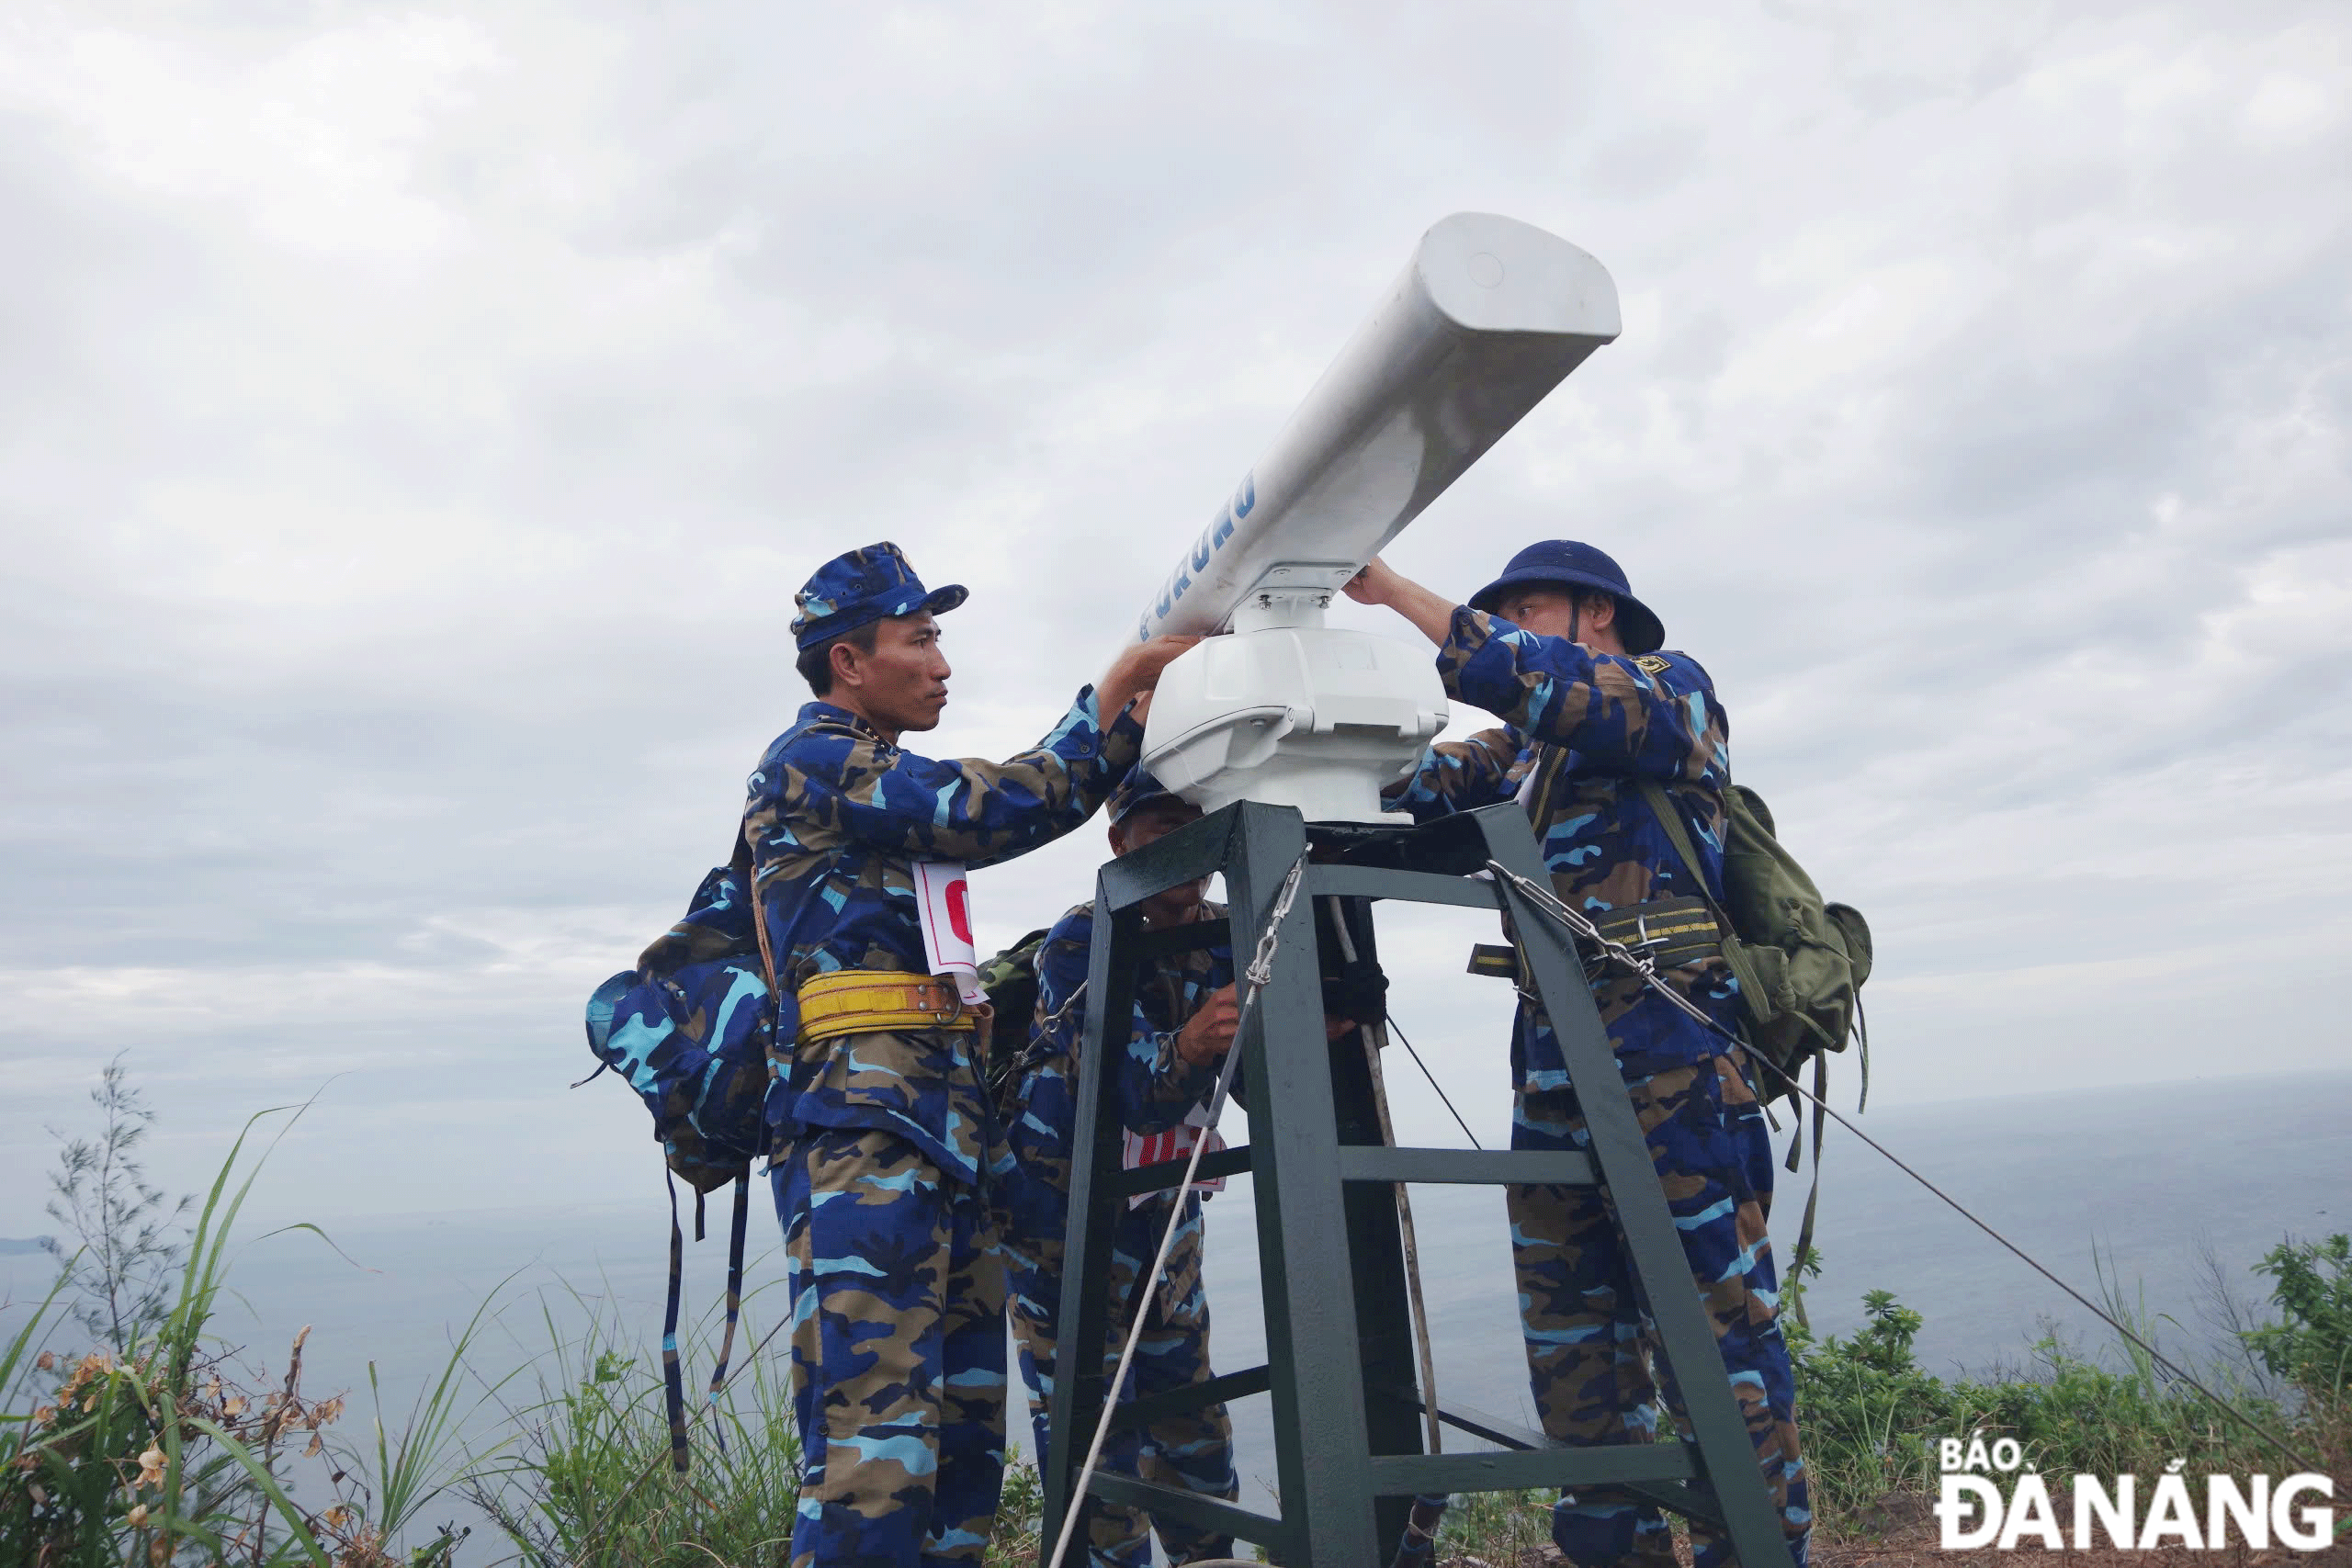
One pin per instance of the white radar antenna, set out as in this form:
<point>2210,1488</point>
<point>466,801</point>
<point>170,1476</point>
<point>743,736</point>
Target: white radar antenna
<point>1489,315</point>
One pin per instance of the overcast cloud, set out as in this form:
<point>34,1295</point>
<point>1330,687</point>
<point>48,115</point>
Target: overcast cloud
<point>414,421</point>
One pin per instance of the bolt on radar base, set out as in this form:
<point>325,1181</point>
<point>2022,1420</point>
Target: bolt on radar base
<point>1489,315</point>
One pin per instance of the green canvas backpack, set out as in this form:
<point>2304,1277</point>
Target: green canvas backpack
<point>1800,960</point>
<point>1010,980</point>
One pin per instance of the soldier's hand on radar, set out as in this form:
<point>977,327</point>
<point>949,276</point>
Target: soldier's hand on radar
<point>1380,584</point>
<point>1208,1033</point>
<point>1136,671</point>
<point>1376,584</point>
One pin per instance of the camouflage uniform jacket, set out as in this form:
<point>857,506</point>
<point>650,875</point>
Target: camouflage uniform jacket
<point>1157,1088</point>
<point>1582,732</point>
<point>836,818</point>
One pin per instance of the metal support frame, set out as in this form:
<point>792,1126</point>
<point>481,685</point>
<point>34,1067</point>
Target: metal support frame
<point>1340,1369</point>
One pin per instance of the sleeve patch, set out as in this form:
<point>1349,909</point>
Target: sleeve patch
<point>1651,664</point>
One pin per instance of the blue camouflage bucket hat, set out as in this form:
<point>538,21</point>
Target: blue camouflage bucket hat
<point>1139,791</point>
<point>1566,563</point>
<point>863,585</point>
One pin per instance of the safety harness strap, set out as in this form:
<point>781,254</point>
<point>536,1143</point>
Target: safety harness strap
<point>863,1001</point>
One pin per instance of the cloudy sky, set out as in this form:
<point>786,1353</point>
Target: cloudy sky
<point>417,419</point>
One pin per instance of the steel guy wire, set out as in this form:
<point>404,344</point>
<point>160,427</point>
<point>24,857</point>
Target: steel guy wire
<point>1260,971</point>
<point>1458,1122</point>
<point>1644,966</point>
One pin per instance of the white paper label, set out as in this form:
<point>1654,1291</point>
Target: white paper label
<point>944,896</point>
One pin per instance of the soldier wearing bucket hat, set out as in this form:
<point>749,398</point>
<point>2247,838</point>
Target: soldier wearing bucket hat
<point>1185,1020</point>
<point>898,1287</point>
<point>1601,720</point>
<point>1576,572</point>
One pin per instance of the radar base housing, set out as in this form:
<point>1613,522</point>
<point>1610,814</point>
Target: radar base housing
<point>1293,713</point>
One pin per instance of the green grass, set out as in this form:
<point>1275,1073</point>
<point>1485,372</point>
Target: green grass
<point>586,1480</point>
<point>1496,1526</point>
<point>1019,1512</point>
<point>161,1451</point>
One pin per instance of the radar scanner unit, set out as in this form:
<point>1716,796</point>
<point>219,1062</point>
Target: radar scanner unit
<point>1489,315</point>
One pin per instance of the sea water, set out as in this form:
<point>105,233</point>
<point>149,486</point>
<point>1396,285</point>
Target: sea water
<point>2157,1187</point>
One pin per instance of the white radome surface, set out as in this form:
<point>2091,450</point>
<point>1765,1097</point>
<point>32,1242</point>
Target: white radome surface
<point>1488,316</point>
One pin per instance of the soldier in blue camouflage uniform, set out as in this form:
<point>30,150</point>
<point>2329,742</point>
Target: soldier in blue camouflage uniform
<point>882,1139</point>
<point>1184,1018</point>
<point>1560,649</point>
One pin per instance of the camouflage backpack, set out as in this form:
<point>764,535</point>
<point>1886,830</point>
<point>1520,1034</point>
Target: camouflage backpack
<point>688,1029</point>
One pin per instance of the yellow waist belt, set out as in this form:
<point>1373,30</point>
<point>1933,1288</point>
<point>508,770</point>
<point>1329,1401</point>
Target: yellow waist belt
<point>863,1001</point>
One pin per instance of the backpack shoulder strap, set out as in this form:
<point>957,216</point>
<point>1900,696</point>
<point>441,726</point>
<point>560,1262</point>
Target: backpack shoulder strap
<point>735,1299</point>
<point>1754,1002</point>
<point>748,865</point>
<point>1669,816</point>
<point>674,1388</point>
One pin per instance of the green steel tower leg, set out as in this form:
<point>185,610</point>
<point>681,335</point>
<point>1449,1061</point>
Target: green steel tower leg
<point>1340,1369</point>
<point>1321,1449</point>
<point>1726,1459</point>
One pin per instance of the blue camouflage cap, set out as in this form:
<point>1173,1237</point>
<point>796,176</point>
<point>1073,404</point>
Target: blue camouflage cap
<point>1139,791</point>
<point>864,585</point>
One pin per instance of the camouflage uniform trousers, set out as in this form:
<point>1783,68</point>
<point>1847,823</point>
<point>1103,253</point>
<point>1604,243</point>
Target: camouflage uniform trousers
<point>1590,1337</point>
<point>1192,1451</point>
<point>897,1353</point>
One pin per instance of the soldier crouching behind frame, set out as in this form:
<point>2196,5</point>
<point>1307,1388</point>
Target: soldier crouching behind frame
<point>882,1140</point>
<point>1184,1021</point>
<point>1595,719</point>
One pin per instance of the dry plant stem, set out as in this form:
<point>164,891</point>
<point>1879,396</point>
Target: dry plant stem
<point>273,1424</point>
